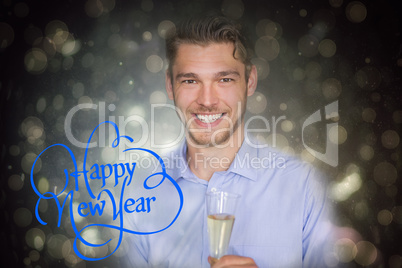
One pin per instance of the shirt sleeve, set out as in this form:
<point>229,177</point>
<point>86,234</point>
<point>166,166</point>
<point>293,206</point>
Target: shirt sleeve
<point>317,228</point>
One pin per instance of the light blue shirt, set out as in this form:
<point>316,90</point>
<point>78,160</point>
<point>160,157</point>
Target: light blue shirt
<point>281,219</point>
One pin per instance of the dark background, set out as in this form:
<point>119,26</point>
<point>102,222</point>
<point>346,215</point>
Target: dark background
<point>367,64</point>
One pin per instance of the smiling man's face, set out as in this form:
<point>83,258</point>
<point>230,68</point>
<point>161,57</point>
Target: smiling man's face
<point>209,87</point>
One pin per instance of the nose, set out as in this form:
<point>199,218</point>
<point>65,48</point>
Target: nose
<point>207,96</point>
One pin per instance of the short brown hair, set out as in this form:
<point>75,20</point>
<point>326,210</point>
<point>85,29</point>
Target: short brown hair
<point>205,30</point>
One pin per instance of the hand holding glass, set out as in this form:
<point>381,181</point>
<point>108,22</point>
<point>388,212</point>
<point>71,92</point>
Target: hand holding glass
<point>221,208</point>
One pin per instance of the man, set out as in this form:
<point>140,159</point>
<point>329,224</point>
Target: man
<point>280,219</point>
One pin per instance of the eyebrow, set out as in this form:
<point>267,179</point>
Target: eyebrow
<point>216,75</point>
<point>186,75</point>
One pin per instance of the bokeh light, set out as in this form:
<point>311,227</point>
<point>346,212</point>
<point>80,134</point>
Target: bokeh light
<point>356,12</point>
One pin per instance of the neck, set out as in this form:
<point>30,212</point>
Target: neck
<point>203,162</point>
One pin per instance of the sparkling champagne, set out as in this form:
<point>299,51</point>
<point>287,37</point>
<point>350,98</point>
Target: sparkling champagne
<point>219,230</point>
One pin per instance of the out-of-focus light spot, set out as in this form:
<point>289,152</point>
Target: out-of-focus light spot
<point>147,5</point>
<point>390,139</point>
<point>342,190</point>
<point>366,152</point>
<point>260,27</point>
<point>14,150</point>
<point>367,60</point>
<point>15,182</point>
<point>147,36</point>
<point>95,8</point>
<point>108,155</point>
<point>78,90</point>
<point>43,185</point>
<point>27,261</point>
<point>337,134</point>
<point>313,70</point>
<point>287,126</point>
<point>126,84</point>
<point>21,10</point>
<point>257,103</point>
<point>70,47</point>
<point>345,250</point>
<point>137,110</point>
<point>395,261</point>
<point>232,8</point>
<point>307,156</point>
<point>283,106</point>
<point>6,35</point>
<point>35,61</point>
<point>369,115</point>
<point>87,60</point>
<point>308,45</point>
<point>154,63</point>
<point>331,88</point>
<point>166,27</point>
<point>361,210</point>
<point>336,3</point>
<point>267,27</point>
<point>384,217</point>
<point>324,20</point>
<point>41,105</point>
<point>35,238</point>
<point>55,245</point>
<point>32,128</point>
<point>58,102</point>
<point>27,162</point>
<point>368,78</point>
<point>57,31</point>
<point>262,67</point>
<point>277,141</point>
<point>85,99</point>
<point>267,47</point>
<point>110,96</point>
<point>397,117</point>
<point>385,174</point>
<point>356,12</point>
<point>157,97</point>
<point>327,48</point>
<point>366,253</point>
<point>22,217</point>
<point>303,12</point>
<point>34,255</point>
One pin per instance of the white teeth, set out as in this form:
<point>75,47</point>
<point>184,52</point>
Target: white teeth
<point>209,118</point>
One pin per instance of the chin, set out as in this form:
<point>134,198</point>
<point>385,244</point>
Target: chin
<point>210,140</point>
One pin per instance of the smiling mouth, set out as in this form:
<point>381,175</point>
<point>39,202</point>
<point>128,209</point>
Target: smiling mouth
<point>209,118</point>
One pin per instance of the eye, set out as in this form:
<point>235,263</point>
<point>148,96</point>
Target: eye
<point>189,81</point>
<point>226,80</point>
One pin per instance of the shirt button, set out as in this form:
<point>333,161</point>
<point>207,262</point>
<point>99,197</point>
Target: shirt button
<point>213,189</point>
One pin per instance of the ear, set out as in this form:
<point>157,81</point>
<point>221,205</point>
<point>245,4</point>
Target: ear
<point>169,85</point>
<point>252,81</point>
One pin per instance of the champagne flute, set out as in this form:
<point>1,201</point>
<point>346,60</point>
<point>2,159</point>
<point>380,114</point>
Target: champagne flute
<point>221,208</point>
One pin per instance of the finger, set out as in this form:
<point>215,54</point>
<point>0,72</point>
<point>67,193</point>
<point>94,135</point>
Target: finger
<point>235,261</point>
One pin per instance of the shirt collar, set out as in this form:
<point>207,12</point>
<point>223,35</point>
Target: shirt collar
<point>243,164</point>
<point>244,159</point>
